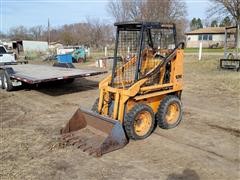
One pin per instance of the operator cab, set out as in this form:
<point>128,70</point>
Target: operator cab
<point>143,44</point>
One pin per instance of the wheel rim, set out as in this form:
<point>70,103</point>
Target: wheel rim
<point>173,113</point>
<point>142,123</point>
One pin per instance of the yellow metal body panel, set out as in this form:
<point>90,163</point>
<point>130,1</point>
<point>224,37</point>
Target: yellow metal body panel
<point>125,98</point>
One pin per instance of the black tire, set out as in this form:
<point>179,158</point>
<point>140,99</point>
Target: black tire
<point>163,110</point>
<point>7,82</point>
<point>130,120</point>
<point>1,79</point>
<point>95,106</point>
<point>69,81</point>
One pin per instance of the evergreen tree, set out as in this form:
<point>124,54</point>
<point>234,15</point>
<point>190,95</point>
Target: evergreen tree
<point>214,23</point>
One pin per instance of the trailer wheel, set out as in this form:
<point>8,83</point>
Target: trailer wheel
<point>169,113</point>
<point>7,82</point>
<point>69,81</point>
<point>1,79</point>
<point>139,122</point>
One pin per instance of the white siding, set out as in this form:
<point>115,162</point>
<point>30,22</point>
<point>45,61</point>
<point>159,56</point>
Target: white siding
<point>193,42</point>
<point>218,37</point>
<point>35,46</point>
<point>192,38</point>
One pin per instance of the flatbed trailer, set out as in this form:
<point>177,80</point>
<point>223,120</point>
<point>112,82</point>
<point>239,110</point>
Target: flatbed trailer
<point>16,75</point>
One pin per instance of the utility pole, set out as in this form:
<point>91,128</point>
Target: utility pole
<point>48,31</point>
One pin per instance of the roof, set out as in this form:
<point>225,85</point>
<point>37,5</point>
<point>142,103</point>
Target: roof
<point>139,24</point>
<point>210,30</point>
<point>54,43</point>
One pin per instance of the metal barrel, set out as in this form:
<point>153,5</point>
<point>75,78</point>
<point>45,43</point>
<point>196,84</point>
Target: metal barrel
<point>93,133</point>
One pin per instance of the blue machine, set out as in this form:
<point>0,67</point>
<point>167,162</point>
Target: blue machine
<point>79,55</point>
<point>64,58</point>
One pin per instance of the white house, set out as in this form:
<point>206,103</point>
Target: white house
<point>210,37</point>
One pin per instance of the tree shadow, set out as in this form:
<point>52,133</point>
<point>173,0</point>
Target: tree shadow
<point>187,174</point>
<point>59,88</point>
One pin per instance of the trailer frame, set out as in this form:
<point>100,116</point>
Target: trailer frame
<point>15,75</point>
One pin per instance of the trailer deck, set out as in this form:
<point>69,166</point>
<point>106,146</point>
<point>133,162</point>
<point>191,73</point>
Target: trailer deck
<point>34,74</point>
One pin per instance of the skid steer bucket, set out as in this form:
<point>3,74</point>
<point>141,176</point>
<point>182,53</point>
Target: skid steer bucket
<point>93,133</point>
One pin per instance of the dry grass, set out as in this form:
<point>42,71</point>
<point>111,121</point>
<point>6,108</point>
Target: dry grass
<point>210,76</point>
<point>206,142</point>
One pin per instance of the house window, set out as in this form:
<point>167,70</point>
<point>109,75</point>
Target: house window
<point>205,37</point>
<point>210,37</point>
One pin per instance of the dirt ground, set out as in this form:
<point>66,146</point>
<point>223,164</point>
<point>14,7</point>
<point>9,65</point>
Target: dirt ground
<point>204,146</point>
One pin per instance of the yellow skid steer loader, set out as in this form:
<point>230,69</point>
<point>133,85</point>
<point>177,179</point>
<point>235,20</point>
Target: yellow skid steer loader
<point>143,90</point>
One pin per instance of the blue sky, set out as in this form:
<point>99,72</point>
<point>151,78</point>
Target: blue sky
<point>36,12</point>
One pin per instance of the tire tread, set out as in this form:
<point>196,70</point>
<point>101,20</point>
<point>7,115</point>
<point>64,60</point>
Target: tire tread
<point>160,115</point>
<point>129,117</point>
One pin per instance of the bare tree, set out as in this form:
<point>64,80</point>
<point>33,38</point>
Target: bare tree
<point>206,22</point>
<point>36,32</point>
<point>150,10</point>
<point>93,33</point>
<point>2,35</point>
<point>223,8</point>
<point>19,33</point>
<point>119,9</point>
<point>156,10</point>
<point>100,34</point>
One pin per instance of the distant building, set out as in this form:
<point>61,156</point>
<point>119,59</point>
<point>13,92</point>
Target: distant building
<point>55,45</point>
<point>210,37</point>
<point>25,45</point>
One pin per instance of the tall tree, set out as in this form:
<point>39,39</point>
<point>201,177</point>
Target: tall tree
<point>199,23</point>
<point>150,10</point>
<point>214,23</point>
<point>193,24</point>
<point>225,22</point>
<point>196,24</point>
<point>36,32</point>
<point>19,33</point>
